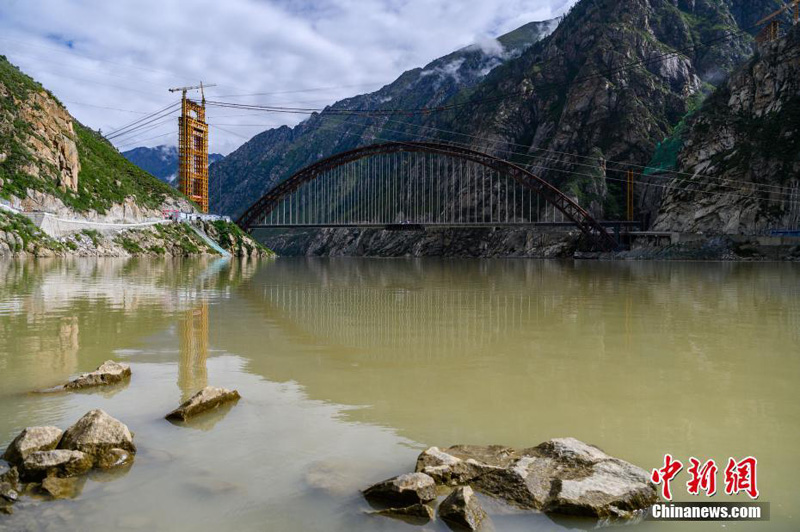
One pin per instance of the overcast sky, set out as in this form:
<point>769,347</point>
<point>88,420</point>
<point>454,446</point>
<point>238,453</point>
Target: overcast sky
<point>112,61</point>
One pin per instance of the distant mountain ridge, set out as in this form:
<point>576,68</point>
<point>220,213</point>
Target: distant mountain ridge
<point>161,161</point>
<point>272,155</point>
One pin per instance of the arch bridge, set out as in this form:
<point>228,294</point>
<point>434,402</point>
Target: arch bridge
<point>408,185</point>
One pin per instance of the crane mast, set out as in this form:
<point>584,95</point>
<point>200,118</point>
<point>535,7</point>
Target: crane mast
<point>770,31</point>
<point>193,147</point>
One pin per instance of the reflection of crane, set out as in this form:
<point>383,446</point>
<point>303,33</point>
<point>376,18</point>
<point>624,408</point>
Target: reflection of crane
<point>770,31</point>
<point>192,372</point>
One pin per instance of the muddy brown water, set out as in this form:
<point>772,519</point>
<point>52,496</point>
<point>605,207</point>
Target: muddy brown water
<point>348,368</point>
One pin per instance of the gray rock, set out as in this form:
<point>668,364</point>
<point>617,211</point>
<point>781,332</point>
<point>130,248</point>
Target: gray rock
<point>63,488</point>
<point>9,485</point>
<point>96,433</point>
<point>59,462</point>
<point>109,372</point>
<point>462,509</point>
<point>403,490</point>
<point>417,514</point>
<point>114,458</point>
<point>206,399</point>
<point>563,476</point>
<point>29,441</point>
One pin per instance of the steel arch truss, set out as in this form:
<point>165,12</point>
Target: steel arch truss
<point>264,207</point>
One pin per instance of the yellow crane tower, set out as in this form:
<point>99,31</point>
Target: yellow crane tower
<point>770,31</point>
<point>193,147</point>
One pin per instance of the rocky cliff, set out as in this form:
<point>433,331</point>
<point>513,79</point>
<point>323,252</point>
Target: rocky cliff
<point>740,161</point>
<point>50,162</point>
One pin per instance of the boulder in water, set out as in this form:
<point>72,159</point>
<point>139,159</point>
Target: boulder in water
<point>462,509</point>
<point>206,399</point>
<point>109,372</point>
<point>97,433</point>
<point>58,462</point>
<point>9,486</point>
<point>63,488</point>
<point>29,441</point>
<point>403,490</point>
<point>563,476</point>
<point>416,514</point>
<point>114,458</point>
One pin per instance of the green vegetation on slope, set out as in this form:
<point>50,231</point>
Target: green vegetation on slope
<point>665,155</point>
<point>29,237</point>
<point>105,178</point>
<point>231,237</point>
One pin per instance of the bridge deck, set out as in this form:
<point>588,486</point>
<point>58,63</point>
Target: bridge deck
<point>612,224</point>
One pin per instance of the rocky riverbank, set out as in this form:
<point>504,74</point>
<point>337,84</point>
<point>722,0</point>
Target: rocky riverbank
<point>560,476</point>
<point>524,243</point>
<point>19,237</point>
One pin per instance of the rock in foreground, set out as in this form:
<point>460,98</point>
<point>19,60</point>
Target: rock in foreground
<point>9,486</point>
<point>29,441</point>
<point>417,514</point>
<point>114,458</point>
<point>59,463</point>
<point>206,399</point>
<point>461,508</point>
<point>109,372</point>
<point>563,476</point>
<point>404,490</point>
<point>96,434</point>
<point>62,488</point>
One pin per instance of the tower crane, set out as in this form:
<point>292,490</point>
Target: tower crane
<point>193,147</point>
<point>184,90</point>
<point>770,31</point>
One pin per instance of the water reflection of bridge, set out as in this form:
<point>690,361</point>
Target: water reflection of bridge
<point>428,307</point>
<point>401,318</point>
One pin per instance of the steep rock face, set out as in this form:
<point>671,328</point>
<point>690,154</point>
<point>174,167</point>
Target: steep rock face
<point>431,243</point>
<point>51,140</point>
<point>610,82</point>
<point>52,163</point>
<point>740,162</point>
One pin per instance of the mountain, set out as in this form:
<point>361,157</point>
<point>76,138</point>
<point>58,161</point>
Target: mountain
<point>739,154</point>
<point>599,85</point>
<point>612,81</point>
<point>273,155</point>
<point>161,161</point>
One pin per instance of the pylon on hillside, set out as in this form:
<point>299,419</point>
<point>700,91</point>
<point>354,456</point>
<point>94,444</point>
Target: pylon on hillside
<point>193,148</point>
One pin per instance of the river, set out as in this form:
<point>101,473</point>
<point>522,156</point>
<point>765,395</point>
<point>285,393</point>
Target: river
<point>348,368</point>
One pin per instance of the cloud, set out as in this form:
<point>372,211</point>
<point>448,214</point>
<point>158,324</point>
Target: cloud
<point>111,62</point>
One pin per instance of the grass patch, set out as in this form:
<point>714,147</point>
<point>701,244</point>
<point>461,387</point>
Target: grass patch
<point>93,235</point>
<point>128,244</point>
<point>31,238</point>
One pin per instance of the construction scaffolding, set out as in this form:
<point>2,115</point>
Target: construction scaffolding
<point>193,149</point>
<point>771,31</point>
